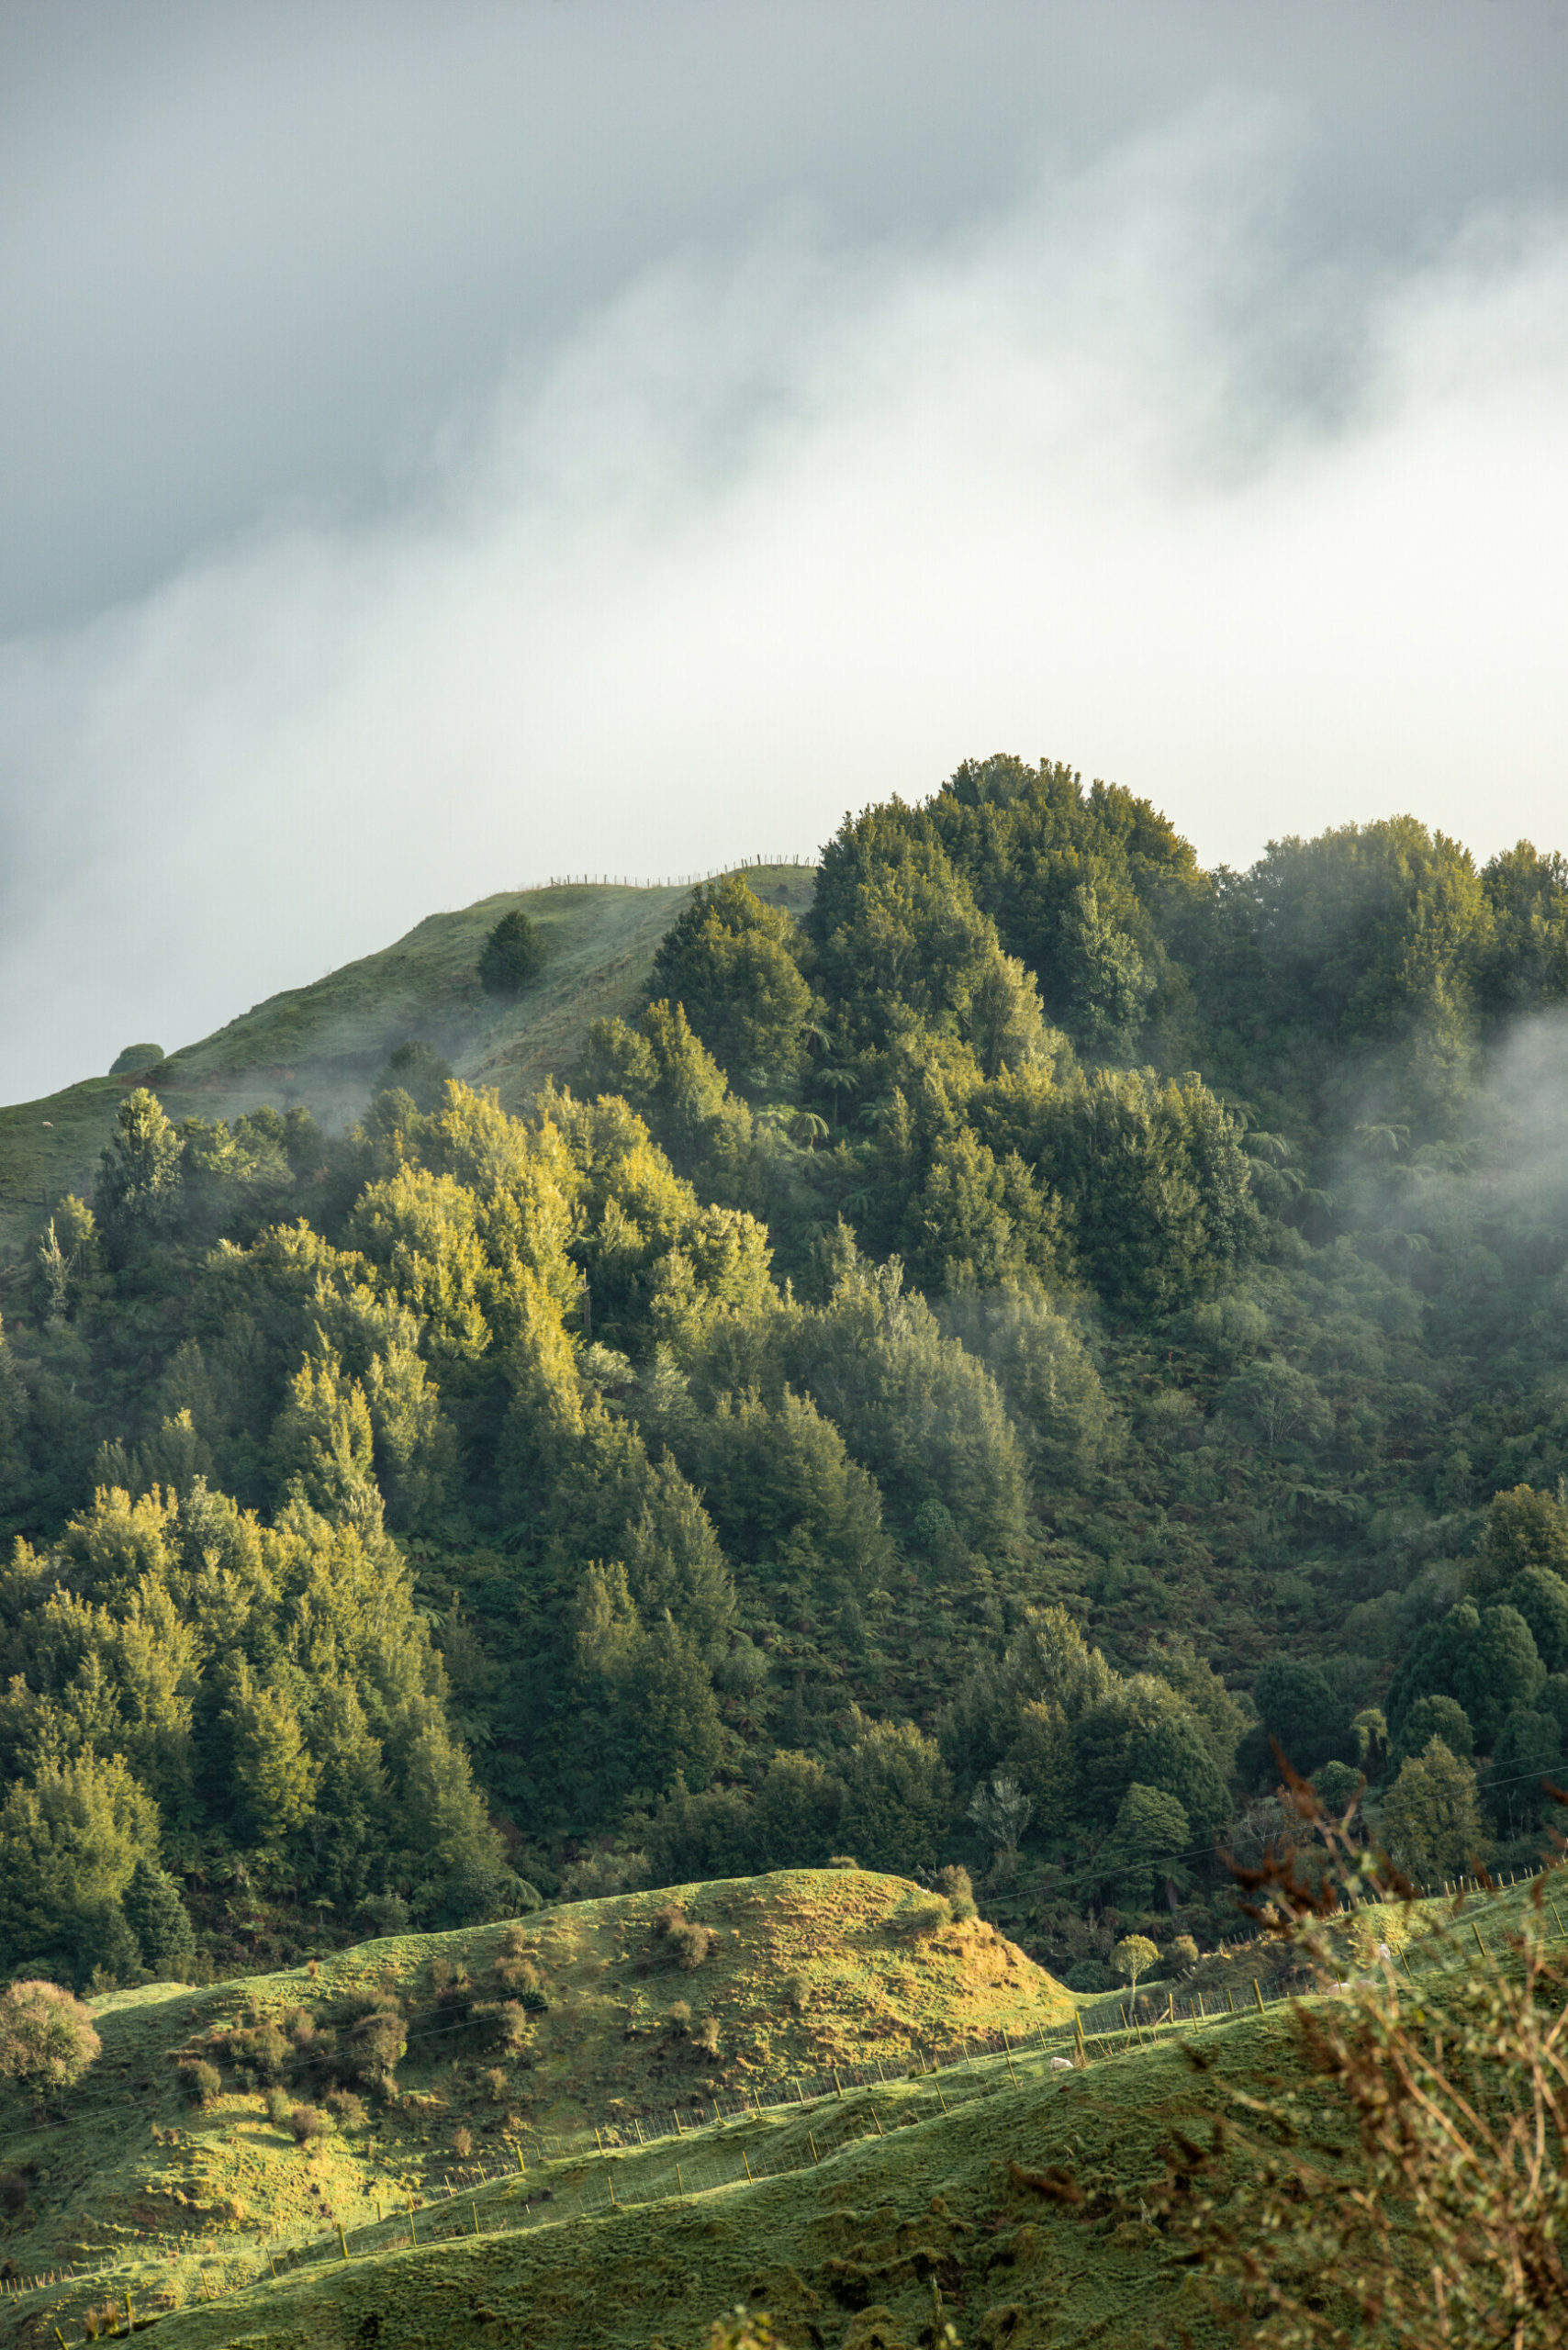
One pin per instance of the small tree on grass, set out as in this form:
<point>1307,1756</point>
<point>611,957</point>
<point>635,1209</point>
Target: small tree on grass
<point>511,956</point>
<point>47,2039</point>
<point>1134,1955</point>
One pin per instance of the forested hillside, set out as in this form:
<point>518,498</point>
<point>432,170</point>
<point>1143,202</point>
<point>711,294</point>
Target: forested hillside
<point>944,1380</point>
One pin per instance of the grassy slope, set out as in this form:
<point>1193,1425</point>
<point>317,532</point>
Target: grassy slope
<point>804,1975</point>
<point>321,1045</point>
<point>843,2254</point>
<point>851,2206</point>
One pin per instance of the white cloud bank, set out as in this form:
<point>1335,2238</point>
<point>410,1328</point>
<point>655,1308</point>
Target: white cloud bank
<point>1114,479</point>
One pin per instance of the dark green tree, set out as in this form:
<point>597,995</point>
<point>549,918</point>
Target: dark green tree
<point>730,962</point>
<point>138,1188</point>
<point>897,1799</point>
<point>797,1813</point>
<point>1526,1754</point>
<point>1149,1842</point>
<point>1524,1529</point>
<point>1299,1710</point>
<point>1541,1599</point>
<point>513,952</point>
<point>1497,1671</point>
<point>1429,1717</point>
<point>158,1918</point>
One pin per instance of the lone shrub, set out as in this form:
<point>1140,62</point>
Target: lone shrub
<point>706,2036</point>
<point>497,2086</point>
<point>686,1942</point>
<point>346,2108</point>
<point>280,2105</point>
<point>306,2122</point>
<point>13,2192</point>
<point>691,1944</point>
<point>919,1918</point>
<point>47,2039</point>
<point>1183,1951</point>
<point>957,1884</point>
<point>463,2142</point>
<point>680,2020</point>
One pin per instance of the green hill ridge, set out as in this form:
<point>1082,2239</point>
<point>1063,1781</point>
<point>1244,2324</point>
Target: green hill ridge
<point>319,1046</point>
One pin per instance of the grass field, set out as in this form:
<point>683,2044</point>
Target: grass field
<point>837,2206</point>
<point>321,1045</point>
<point>806,1973</point>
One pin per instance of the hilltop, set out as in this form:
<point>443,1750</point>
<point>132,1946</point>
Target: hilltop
<point>319,1046</point>
<point>604,2015</point>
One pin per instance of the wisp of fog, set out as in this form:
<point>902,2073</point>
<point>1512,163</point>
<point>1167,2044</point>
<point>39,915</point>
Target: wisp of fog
<point>1121,469</point>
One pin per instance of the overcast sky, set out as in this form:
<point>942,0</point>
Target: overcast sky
<point>444,446</point>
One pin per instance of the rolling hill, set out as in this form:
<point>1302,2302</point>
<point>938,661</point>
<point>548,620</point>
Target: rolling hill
<point>320,1046</point>
<point>585,2021</point>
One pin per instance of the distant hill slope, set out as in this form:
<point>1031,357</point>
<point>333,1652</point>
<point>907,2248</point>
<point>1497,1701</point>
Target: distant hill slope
<point>807,1970</point>
<point>321,1045</point>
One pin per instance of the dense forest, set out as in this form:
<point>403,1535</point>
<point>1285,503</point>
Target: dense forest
<point>958,1381</point>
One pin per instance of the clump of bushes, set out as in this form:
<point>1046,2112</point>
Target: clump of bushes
<point>346,2110</point>
<point>686,1941</point>
<point>451,1986</point>
<point>262,2047</point>
<point>1089,1974</point>
<point>374,2039</point>
<point>957,1884</point>
<point>919,1918</point>
<point>505,2021</point>
<point>200,2083</point>
<point>47,2036</point>
<point>517,1975</point>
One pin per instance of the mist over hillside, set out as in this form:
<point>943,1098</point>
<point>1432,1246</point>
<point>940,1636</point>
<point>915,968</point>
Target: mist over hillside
<point>944,1359</point>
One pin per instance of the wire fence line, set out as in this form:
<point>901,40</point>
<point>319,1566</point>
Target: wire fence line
<point>728,2139</point>
<point>670,881</point>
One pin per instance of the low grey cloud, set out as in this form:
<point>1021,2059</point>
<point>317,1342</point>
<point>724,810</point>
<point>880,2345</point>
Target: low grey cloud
<point>782,473</point>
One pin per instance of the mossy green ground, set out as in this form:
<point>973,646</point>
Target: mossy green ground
<point>321,1045</point>
<point>807,1972</point>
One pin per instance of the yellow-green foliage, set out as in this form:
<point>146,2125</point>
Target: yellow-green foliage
<point>320,1044</point>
